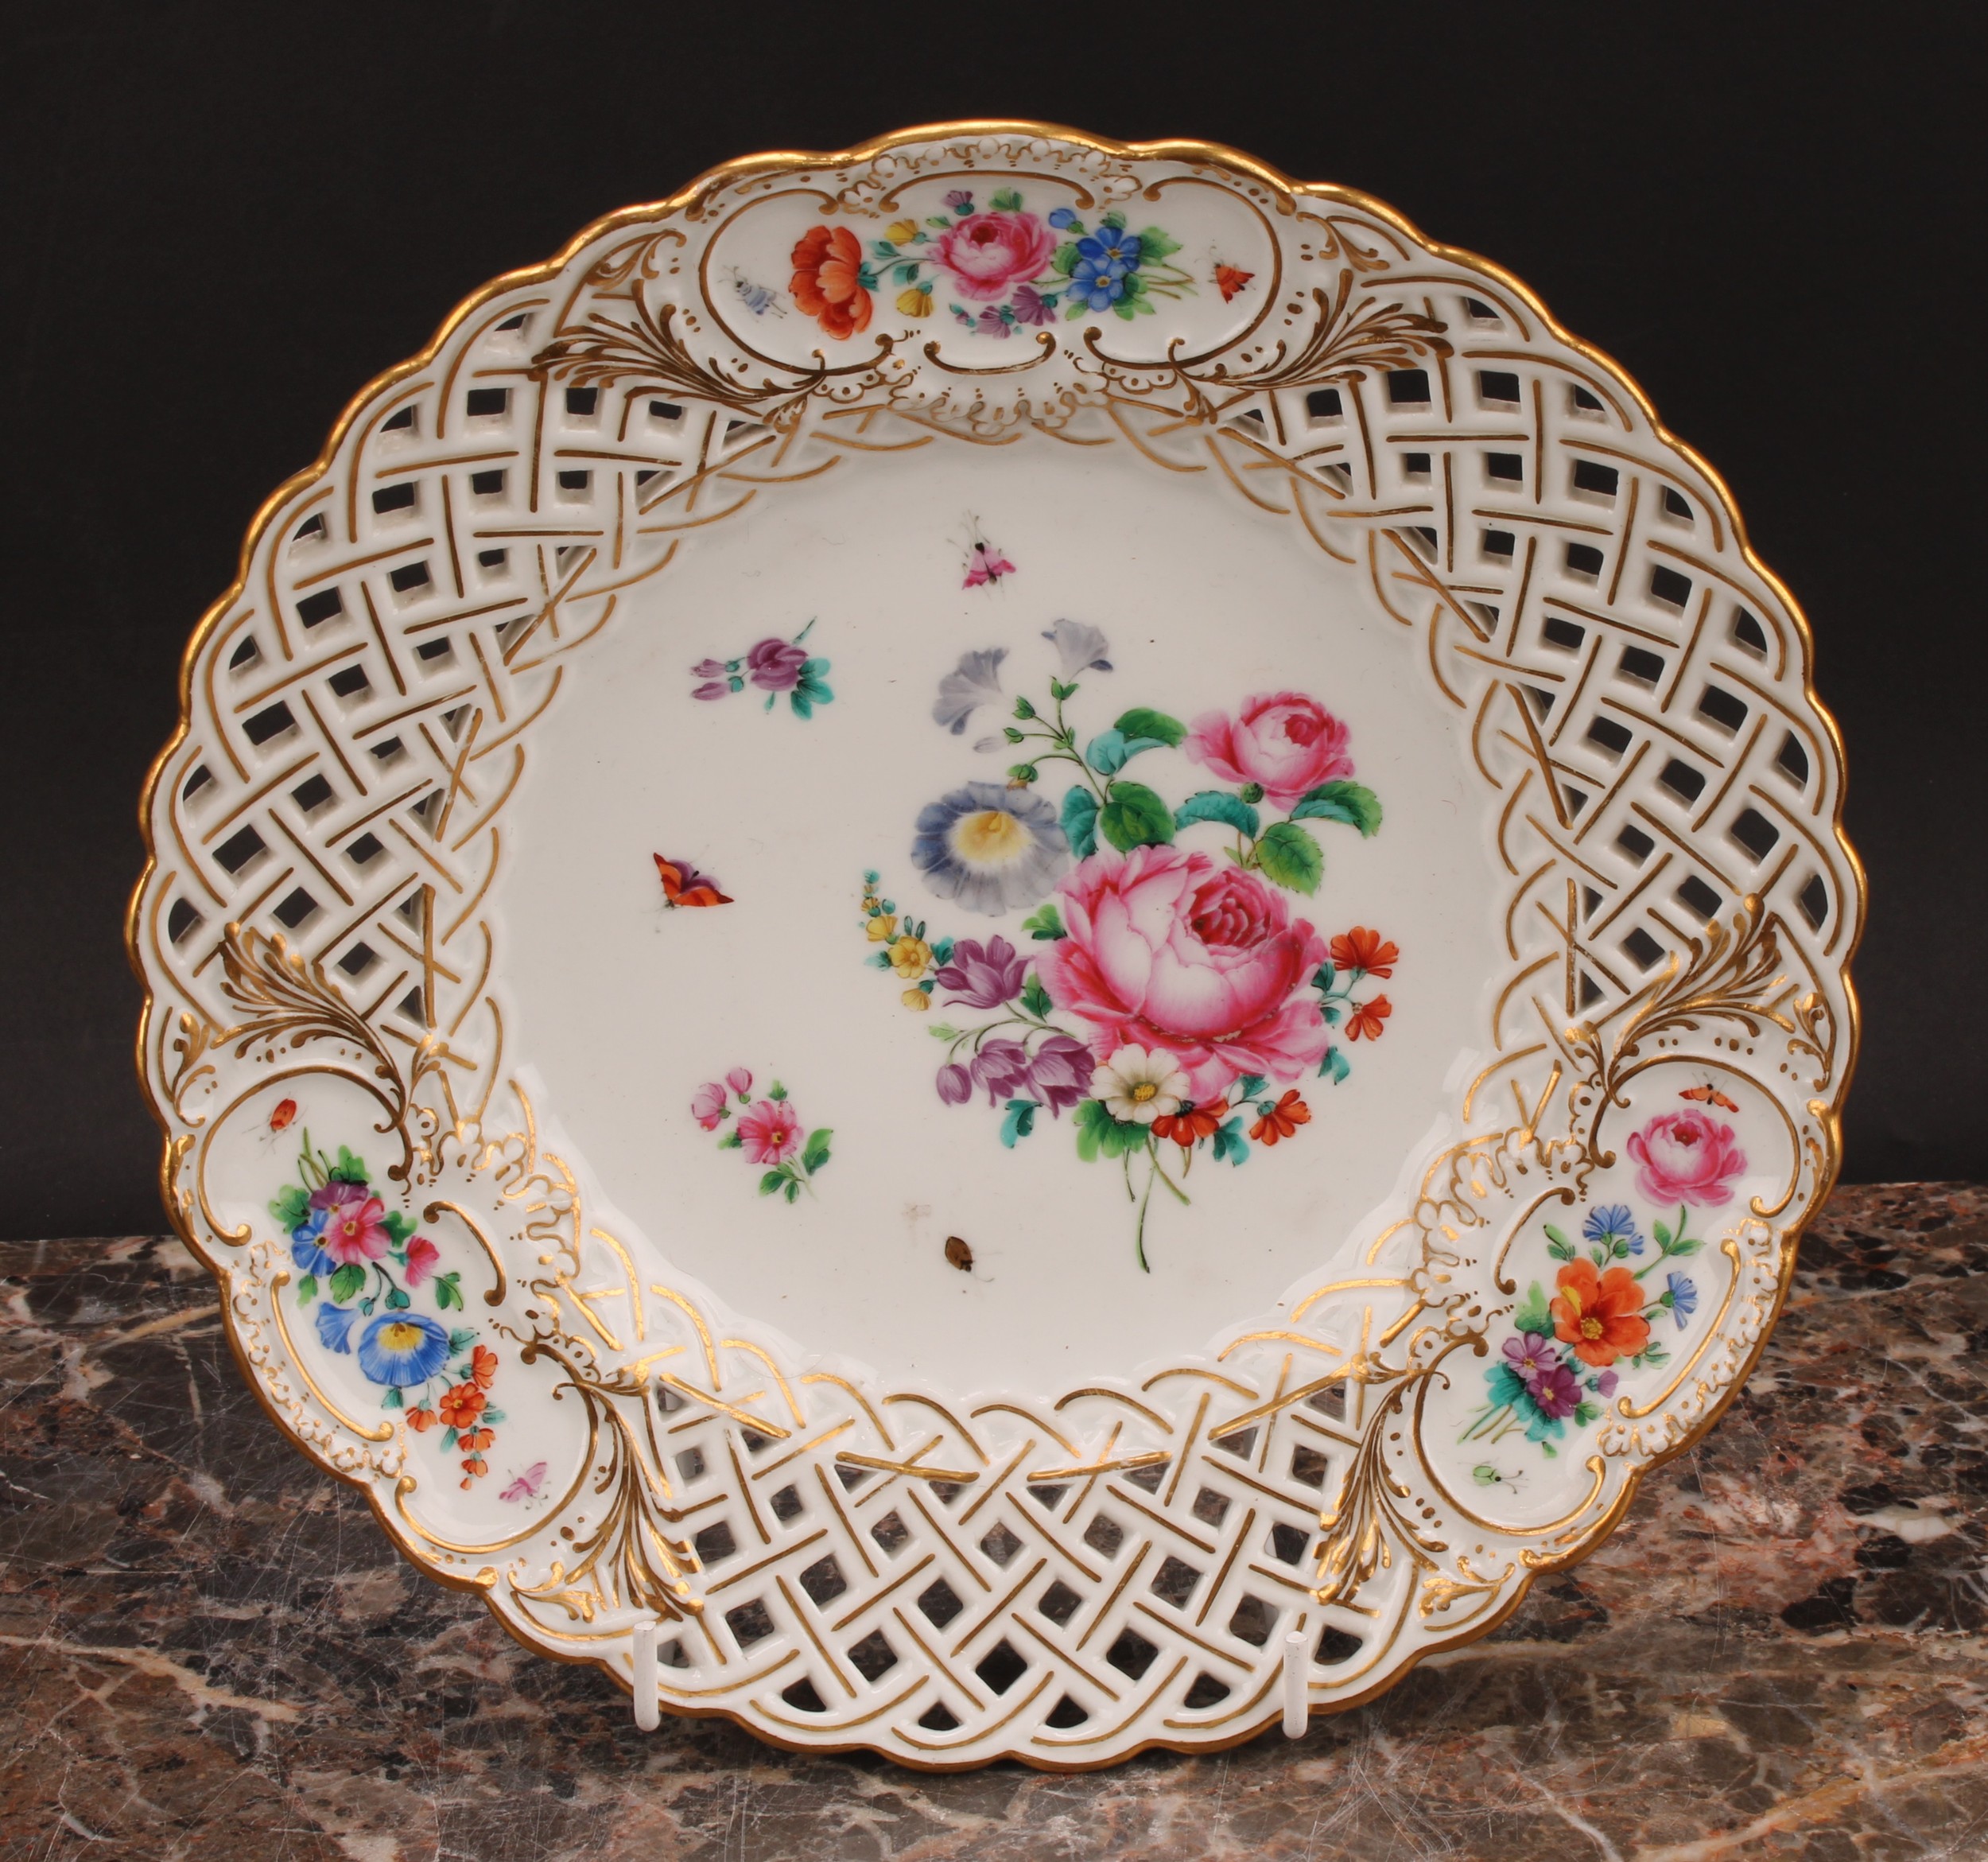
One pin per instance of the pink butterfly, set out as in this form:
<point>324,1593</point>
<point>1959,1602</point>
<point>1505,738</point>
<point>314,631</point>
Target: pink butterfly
<point>526,1486</point>
<point>985,565</point>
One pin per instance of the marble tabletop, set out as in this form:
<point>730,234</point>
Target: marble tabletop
<point>207,1649</point>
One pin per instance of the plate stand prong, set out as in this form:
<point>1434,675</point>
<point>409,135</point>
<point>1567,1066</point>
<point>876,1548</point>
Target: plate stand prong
<point>648,1710</point>
<point>1297,1705</point>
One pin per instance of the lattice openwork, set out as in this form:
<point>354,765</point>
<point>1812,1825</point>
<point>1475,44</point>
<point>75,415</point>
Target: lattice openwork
<point>1061,1579</point>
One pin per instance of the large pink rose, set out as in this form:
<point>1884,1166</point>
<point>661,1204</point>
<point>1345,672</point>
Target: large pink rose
<point>987,253</point>
<point>1283,740</point>
<point>1686,1157</point>
<point>1168,950</point>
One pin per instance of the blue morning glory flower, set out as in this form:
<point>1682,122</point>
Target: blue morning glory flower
<point>335,1326</point>
<point>1611,1223</point>
<point>1683,1298</point>
<point>1060,217</point>
<point>311,1258</point>
<point>402,1349</point>
<point>991,848</point>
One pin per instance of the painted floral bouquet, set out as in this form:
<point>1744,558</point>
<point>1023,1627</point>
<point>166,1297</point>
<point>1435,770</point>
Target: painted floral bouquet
<point>1167,995</point>
<point>1013,268</point>
<point>360,1263</point>
<point>1561,1364</point>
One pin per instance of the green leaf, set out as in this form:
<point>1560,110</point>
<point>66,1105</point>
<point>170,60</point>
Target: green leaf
<point>1688,1245</point>
<point>1133,816</point>
<point>1352,802</point>
<point>1063,259</point>
<point>771,1182</point>
<point>1289,857</point>
<point>1080,823</point>
<point>1154,244</point>
<point>1142,721</point>
<point>346,1280</point>
<point>802,703</point>
<point>1100,1135</point>
<point>1059,691</point>
<point>1555,1234</point>
<point>492,1417</point>
<point>1561,1249</point>
<point>1125,307</point>
<point>1023,708</point>
<point>1006,201</point>
<point>776,1091</point>
<point>450,1439</point>
<point>883,249</point>
<point>398,1227</point>
<point>1662,1231</point>
<point>462,1338</point>
<point>307,1289</point>
<point>1536,1315</point>
<point>348,1168</point>
<point>1022,773</point>
<point>938,220</point>
<point>815,1154</point>
<point>1585,1412</point>
<point>1112,217</point>
<point>1110,750</point>
<point>449,1292</point>
<point>1074,308</point>
<point>1230,1143</point>
<point>1020,1122</point>
<point>393,1400</point>
<point>793,1191</point>
<point>1036,999</point>
<point>1218,805</point>
<point>907,274</point>
<point>1247,1088</point>
<point>1045,923</point>
<point>1336,1064</point>
<point>292,1208</point>
<point>732,1141</point>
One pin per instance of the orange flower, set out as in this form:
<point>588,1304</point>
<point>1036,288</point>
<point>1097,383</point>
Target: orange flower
<point>828,269</point>
<point>420,1421</point>
<point>1367,1017</point>
<point>482,1368</point>
<point>1191,1123</point>
<point>476,1441</point>
<point>1361,948</point>
<point>473,1466</point>
<point>461,1405</point>
<point>1601,1315</point>
<point>1281,1119</point>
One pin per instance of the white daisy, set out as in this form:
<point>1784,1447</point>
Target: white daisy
<point>1138,1085</point>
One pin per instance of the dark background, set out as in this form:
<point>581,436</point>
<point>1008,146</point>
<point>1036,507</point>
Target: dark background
<point>221,222</point>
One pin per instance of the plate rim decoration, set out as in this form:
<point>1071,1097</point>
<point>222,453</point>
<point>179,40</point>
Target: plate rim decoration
<point>239,1013</point>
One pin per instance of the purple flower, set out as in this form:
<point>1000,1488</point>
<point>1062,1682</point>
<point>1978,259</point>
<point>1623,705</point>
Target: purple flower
<point>985,975</point>
<point>715,688</point>
<point>1062,1072</point>
<point>1604,1384</point>
<point>1554,1393</point>
<point>709,669</point>
<point>1029,308</point>
<point>1532,1357</point>
<point>992,323</point>
<point>1002,1067</point>
<point>776,665</point>
<point>955,1084</point>
<point>960,200</point>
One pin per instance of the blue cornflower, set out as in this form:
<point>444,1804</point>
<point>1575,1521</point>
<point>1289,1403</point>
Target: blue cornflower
<point>1610,1224</point>
<point>1683,1296</point>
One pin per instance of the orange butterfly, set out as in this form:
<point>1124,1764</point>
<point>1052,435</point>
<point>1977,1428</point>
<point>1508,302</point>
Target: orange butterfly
<point>683,884</point>
<point>1232,279</point>
<point>1710,1095</point>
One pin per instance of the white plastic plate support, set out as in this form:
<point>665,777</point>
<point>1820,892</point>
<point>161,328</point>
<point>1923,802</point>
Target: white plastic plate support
<point>1297,1704</point>
<point>648,1708</point>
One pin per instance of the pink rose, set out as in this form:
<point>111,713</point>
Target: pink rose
<point>1170,952</point>
<point>987,253</point>
<point>1284,741</point>
<point>423,1256</point>
<point>770,1131</point>
<point>1686,1157</point>
<point>707,1105</point>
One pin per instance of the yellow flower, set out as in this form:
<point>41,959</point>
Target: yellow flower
<point>909,957</point>
<point>914,302</point>
<point>883,927</point>
<point>899,230</point>
<point>917,999</point>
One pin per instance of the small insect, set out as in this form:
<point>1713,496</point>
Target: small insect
<point>526,1486</point>
<point>985,565</point>
<point>958,1254</point>
<point>683,884</point>
<point>281,1118</point>
<point>761,300</point>
<point>1231,279</point>
<point>1485,1475</point>
<point>1709,1094</point>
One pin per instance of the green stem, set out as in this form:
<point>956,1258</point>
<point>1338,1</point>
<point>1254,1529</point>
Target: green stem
<point>1146,1203</point>
<point>1160,1171</point>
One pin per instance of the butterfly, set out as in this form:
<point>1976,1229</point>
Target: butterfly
<point>985,565</point>
<point>1232,279</point>
<point>1710,1095</point>
<point>281,1116</point>
<point>683,884</point>
<point>759,299</point>
<point>526,1486</point>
